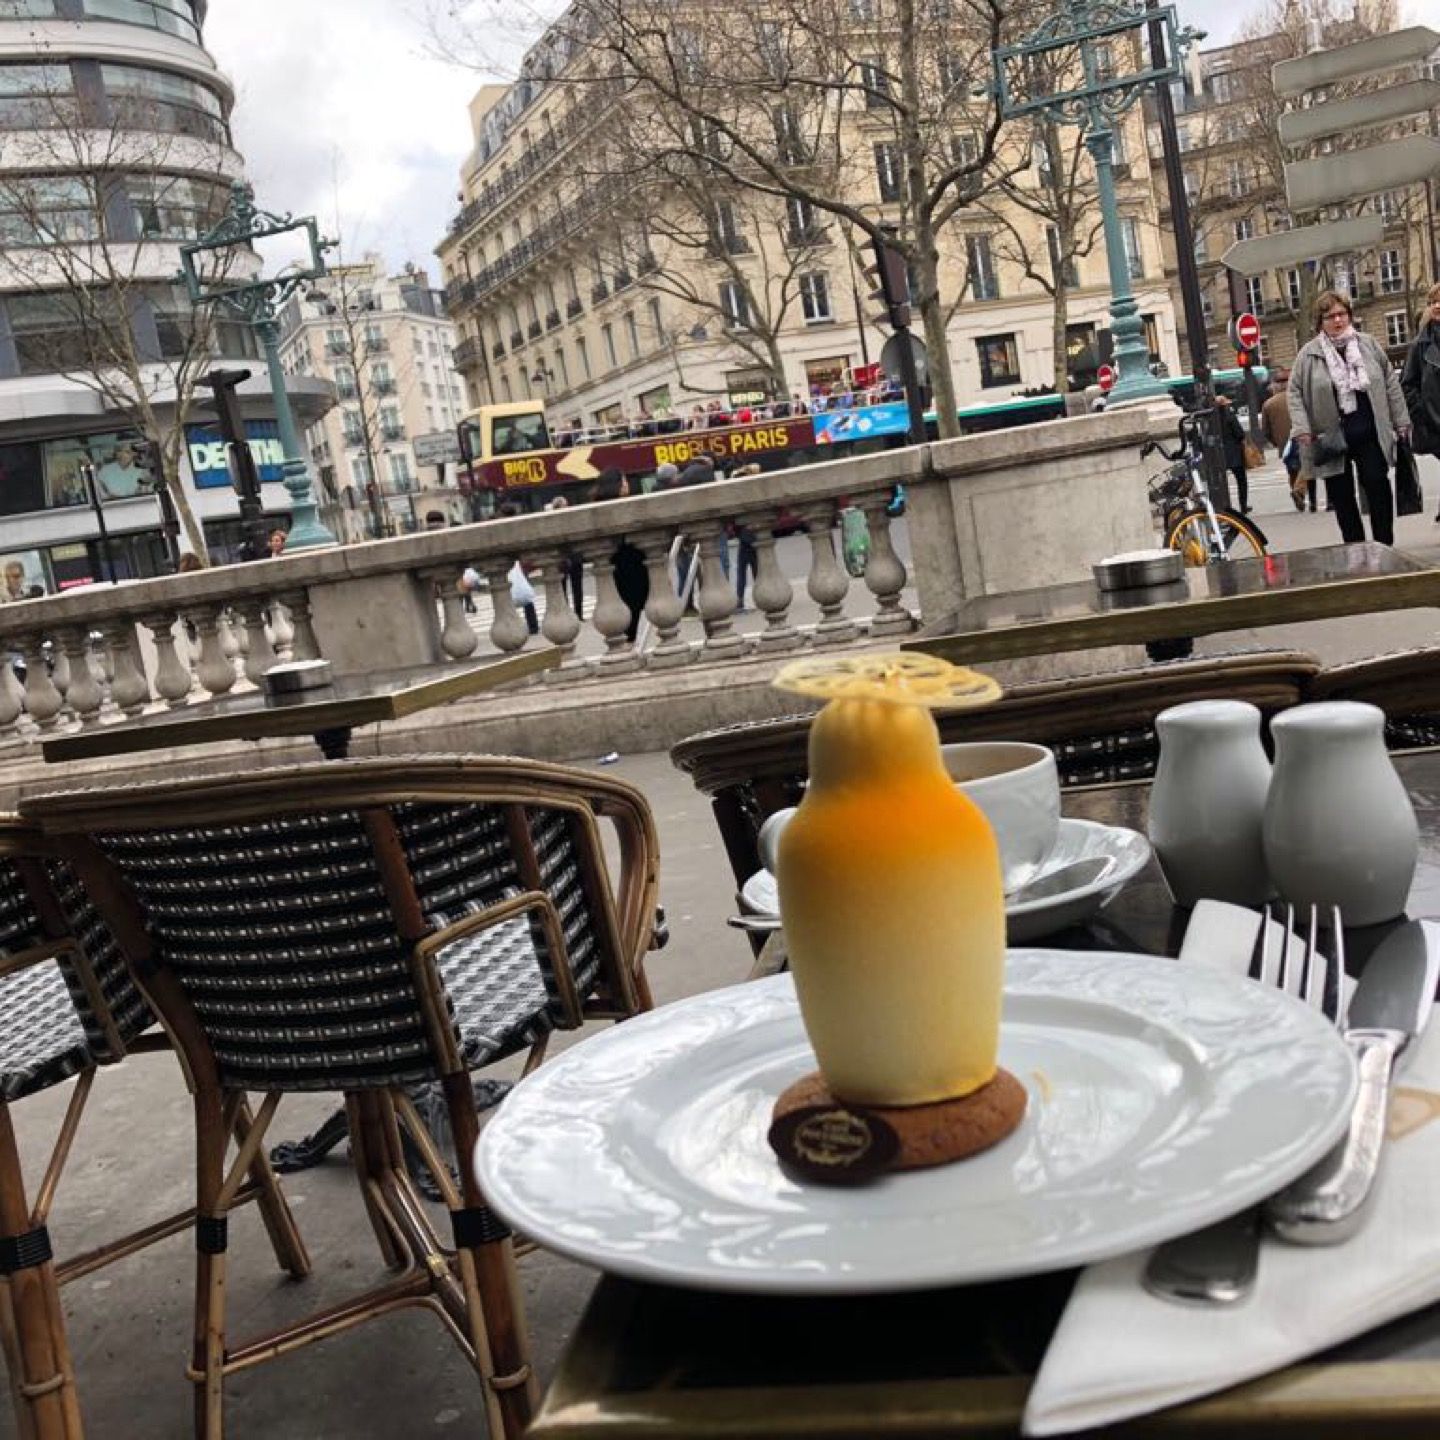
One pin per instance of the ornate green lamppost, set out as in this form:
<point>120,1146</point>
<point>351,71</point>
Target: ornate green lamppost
<point>1056,71</point>
<point>258,302</point>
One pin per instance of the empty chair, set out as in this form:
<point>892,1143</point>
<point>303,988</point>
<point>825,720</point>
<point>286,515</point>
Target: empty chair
<point>364,927</point>
<point>68,1006</point>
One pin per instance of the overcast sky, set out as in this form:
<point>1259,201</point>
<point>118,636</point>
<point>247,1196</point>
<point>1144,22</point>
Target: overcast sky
<point>339,101</point>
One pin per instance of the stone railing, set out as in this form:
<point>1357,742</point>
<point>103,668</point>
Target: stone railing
<point>396,603</point>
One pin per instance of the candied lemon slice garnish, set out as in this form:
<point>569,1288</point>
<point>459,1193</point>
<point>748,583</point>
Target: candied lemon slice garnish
<point>907,678</point>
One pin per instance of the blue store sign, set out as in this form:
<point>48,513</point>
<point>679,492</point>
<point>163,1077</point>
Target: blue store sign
<point>207,453</point>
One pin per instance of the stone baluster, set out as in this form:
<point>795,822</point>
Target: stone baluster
<point>172,674</point>
<point>828,583</point>
<point>216,668</point>
<point>130,689</point>
<point>42,700</point>
<point>884,571</point>
<point>85,695</point>
<point>561,625</point>
<point>282,632</point>
<point>772,591</point>
<point>508,630</point>
<point>717,602</point>
<point>306,644</point>
<point>232,634</point>
<point>610,615</point>
<point>663,609</point>
<point>259,653</point>
<point>12,696</point>
<point>105,659</point>
<point>59,667</point>
<point>457,639</point>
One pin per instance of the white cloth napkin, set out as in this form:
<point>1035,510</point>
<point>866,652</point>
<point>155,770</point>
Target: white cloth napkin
<point>1121,1352</point>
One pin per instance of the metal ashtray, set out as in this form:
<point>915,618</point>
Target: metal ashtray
<point>297,675</point>
<point>1139,568</point>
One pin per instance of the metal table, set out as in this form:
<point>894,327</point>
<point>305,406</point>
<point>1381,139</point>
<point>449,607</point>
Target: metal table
<point>1244,594</point>
<point>330,714</point>
<point>653,1361</point>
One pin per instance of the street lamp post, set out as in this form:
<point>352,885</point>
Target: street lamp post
<point>1056,72</point>
<point>259,303</point>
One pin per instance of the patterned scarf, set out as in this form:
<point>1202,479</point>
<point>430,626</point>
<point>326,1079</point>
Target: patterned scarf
<point>1346,363</point>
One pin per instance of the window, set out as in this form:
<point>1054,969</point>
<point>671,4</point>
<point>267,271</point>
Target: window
<point>734,304</point>
<point>354,434</point>
<point>656,324</point>
<point>801,226</point>
<point>561,368</point>
<point>1104,61</point>
<point>1397,328</point>
<point>23,9</point>
<point>607,336</point>
<point>1244,229</point>
<point>1207,306</point>
<point>47,332</point>
<point>875,84</point>
<point>48,210</point>
<point>174,207</point>
<point>788,138</point>
<point>345,386</point>
<point>582,354</point>
<point>1254,295</point>
<point>1388,206</point>
<point>1345,277</point>
<point>862,10</point>
<point>360,470</point>
<point>1202,244</point>
<point>1294,288</point>
<point>145,99</point>
<point>999,360</point>
<point>952,71</point>
<point>1238,182</point>
<point>175,17</point>
<point>399,463</point>
<point>887,170</point>
<point>964,148</point>
<point>984,282</point>
<point>774,48</point>
<point>690,51</point>
<point>815,297</point>
<point>1221,90</point>
<point>1068,274</point>
<point>1134,256</point>
<point>36,97</point>
<point>1392,274</point>
<point>632,334</point>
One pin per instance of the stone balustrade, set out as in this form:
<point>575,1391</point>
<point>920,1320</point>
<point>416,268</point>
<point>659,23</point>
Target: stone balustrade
<point>391,604</point>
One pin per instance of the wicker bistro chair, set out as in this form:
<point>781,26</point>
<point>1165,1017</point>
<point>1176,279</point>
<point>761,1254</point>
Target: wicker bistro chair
<point>1101,727</point>
<point>67,1007</point>
<point>361,927</point>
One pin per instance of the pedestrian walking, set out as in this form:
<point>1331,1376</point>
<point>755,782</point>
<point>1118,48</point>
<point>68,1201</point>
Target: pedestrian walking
<point>1275,427</point>
<point>1420,381</point>
<point>632,579</point>
<point>1232,436</point>
<point>1347,411</point>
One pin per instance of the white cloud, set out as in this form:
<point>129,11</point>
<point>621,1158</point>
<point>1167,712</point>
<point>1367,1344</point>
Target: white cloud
<point>340,113</point>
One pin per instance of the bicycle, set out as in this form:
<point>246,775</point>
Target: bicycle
<point>1189,520</point>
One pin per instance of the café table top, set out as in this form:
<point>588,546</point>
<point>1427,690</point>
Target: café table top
<point>1278,589</point>
<point>347,702</point>
<point>660,1362</point>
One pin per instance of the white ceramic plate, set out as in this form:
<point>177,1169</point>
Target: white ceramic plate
<point>1028,920</point>
<point>1162,1097</point>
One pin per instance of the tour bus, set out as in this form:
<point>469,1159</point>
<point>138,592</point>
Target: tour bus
<point>513,453</point>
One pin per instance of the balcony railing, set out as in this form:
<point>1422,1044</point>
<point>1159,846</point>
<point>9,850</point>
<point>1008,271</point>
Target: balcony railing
<point>393,432</point>
<point>384,386</point>
<point>337,347</point>
<point>497,350</point>
<point>552,320</point>
<point>466,353</point>
<point>598,291</point>
<point>623,280</point>
<point>573,307</point>
<point>346,391</point>
<point>516,339</point>
<point>95,655</point>
<point>533,330</point>
<point>374,344</point>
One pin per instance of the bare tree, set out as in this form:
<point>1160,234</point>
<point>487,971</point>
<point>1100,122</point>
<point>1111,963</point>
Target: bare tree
<point>94,212</point>
<point>876,112</point>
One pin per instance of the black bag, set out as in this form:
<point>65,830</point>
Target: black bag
<point>1408,498</point>
<point>1424,438</point>
<point>1329,446</point>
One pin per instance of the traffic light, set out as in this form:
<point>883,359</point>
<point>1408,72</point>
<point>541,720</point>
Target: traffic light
<point>892,283</point>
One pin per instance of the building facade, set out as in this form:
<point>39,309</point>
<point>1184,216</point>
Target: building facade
<point>115,148</point>
<point>1234,177</point>
<point>385,344</point>
<point>567,288</point>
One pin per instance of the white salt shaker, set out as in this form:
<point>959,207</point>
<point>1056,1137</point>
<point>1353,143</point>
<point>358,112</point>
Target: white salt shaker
<point>1207,804</point>
<point>1339,827</point>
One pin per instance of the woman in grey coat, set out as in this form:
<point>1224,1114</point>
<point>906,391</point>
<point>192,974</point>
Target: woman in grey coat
<point>1346,410</point>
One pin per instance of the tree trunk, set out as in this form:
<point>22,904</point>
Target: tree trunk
<point>170,448</point>
<point>937,341</point>
<point>1060,339</point>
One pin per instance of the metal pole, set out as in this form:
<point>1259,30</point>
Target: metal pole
<point>306,531</point>
<point>1217,481</point>
<point>107,556</point>
<point>859,313</point>
<point>910,381</point>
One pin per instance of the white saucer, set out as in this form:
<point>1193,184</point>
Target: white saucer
<point>1028,920</point>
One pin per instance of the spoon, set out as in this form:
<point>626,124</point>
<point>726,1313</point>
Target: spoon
<point>1074,875</point>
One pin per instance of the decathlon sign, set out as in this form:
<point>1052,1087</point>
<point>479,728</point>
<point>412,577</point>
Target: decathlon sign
<point>207,453</point>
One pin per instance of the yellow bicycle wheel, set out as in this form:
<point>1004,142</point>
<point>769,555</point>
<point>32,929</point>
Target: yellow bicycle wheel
<point>1194,538</point>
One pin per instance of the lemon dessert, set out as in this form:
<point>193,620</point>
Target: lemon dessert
<point>894,912</point>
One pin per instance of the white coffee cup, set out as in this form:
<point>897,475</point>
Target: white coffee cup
<point>1018,788</point>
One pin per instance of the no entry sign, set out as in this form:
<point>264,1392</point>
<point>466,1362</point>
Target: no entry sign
<point>1245,331</point>
<point>1106,377</point>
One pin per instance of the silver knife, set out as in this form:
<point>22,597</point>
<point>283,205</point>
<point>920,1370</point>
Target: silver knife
<point>1390,1007</point>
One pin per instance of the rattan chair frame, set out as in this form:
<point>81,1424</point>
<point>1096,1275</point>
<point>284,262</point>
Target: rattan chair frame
<point>472,1286</point>
<point>32,1320</point>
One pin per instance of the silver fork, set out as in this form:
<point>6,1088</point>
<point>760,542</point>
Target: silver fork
<point>1217,1265</point>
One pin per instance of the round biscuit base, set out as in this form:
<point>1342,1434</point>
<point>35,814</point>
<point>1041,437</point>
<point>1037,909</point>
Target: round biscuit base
<point>934,1134</point>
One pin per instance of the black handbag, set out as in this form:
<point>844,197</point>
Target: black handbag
<point>1409,500</point>
<point>1329,446</point>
